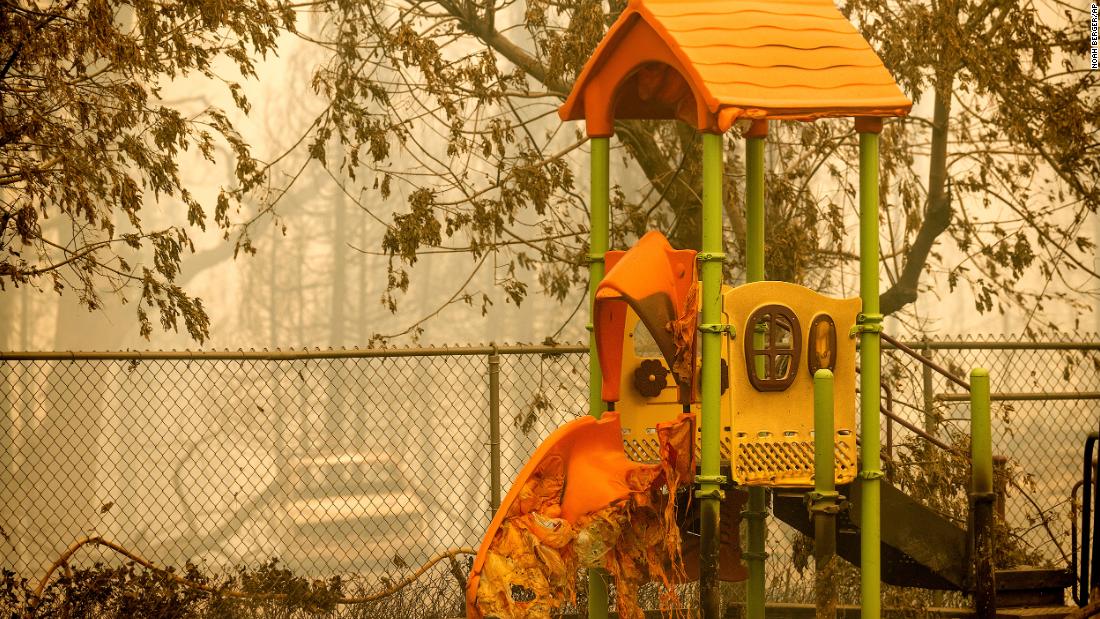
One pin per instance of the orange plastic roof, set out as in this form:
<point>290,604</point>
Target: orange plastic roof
<point>712,62</point>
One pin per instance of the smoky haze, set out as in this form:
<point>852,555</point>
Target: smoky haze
<point>194,458</point>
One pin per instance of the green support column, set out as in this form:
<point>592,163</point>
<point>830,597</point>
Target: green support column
<point>981,496</point>
<point>869,326</point>
<point>754,201</point>
<point>710,480</point>
<point>756,515</point>
<point>599,232</point>
<point>824,500</point>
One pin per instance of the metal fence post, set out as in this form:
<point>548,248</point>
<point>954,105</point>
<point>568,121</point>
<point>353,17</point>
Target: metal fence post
<point>1000,485</point>
<point>889,393</point>
<point>927,390</point>
<point>494,431</point>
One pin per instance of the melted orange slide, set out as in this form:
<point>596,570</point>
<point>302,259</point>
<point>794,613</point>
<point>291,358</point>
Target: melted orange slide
<point>579,502</point>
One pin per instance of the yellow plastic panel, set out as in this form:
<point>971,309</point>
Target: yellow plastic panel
<point>771,434</point>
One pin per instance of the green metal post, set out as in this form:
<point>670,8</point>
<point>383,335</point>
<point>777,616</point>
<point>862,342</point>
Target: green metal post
<point>756,514</point>
<point>981,432</point>
<point>754,207</point>
<point>710,481</point>
<point>599,233</point>
<point>981,495</point>
<point>870,324</point>
<point>824,499</point>
<point>824,464</point>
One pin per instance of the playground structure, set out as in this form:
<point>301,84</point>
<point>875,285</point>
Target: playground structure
<point>770,401</point>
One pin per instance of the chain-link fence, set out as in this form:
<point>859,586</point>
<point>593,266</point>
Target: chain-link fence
<point>1046,399</point>
<point>369,462</point>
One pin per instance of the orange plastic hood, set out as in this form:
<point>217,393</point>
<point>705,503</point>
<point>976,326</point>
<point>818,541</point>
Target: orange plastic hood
<point>659,284</point>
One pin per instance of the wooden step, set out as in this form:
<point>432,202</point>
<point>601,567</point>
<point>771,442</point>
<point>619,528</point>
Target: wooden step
<point>919,550</point>
<point>1036,612</point>
<point>922,549</point>
<point>1032,587</point>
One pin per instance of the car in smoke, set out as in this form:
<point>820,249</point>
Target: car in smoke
<point>354,513</point>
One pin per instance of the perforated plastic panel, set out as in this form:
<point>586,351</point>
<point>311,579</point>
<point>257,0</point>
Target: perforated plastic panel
<point>784,463</point>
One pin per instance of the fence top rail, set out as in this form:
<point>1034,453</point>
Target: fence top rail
<point>449,351</point>
<point>994,345</point>
<point>290,355</point>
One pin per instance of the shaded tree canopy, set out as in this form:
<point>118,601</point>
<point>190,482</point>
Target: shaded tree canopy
<point>449,105</point>
<point>86,143</point>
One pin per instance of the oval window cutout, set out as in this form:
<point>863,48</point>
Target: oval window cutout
<point>821,352</point>
<point>773,345</point>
